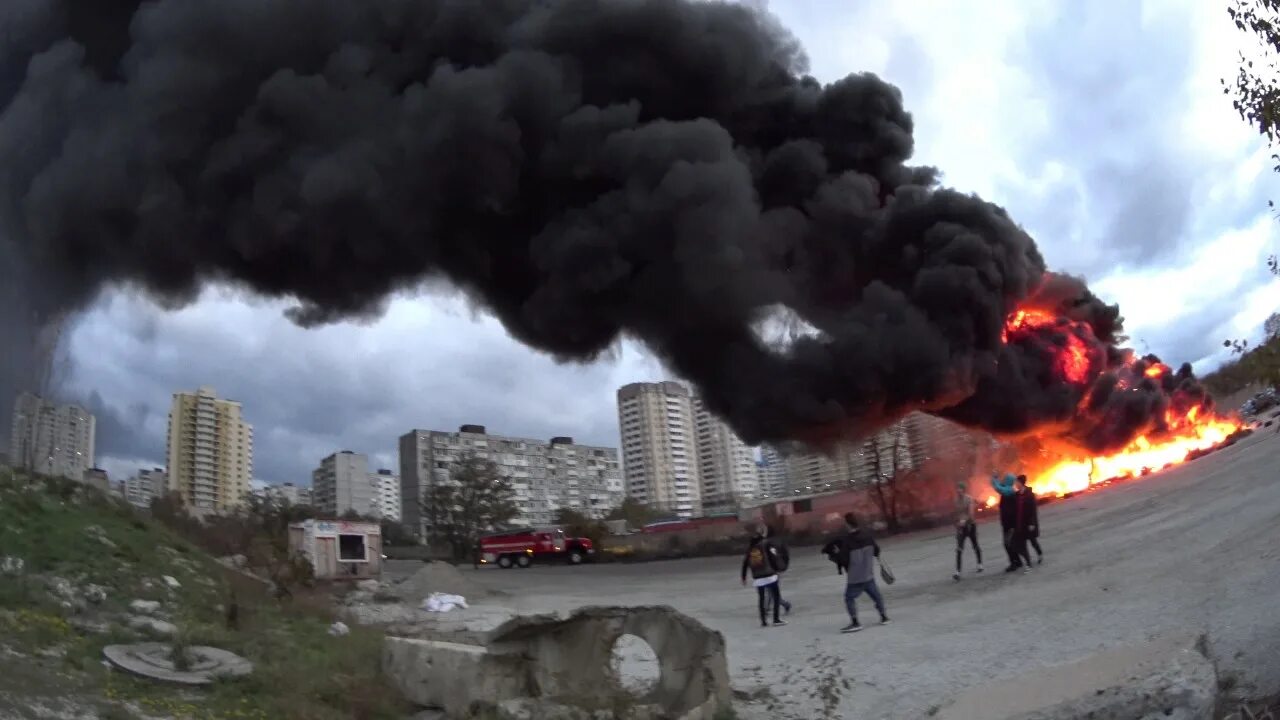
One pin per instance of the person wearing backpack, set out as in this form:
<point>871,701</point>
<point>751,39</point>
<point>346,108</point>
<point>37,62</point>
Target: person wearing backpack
<point>764,574</point>
<point>861,551</point>
<point>781,559</point>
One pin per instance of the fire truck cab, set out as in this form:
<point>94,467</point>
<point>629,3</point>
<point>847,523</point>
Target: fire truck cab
<point>521,548</point>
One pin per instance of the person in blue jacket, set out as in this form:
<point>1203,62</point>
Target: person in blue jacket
<point>1009,521</point>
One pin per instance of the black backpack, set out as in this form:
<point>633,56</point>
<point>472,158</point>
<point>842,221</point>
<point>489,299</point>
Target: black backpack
<point>778,557</point>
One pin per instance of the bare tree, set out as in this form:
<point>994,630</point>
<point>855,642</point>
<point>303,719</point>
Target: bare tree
<point>884,487</point>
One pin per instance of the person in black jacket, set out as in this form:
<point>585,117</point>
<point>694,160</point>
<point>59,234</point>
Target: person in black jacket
<point>1014,545</point>
<point>759,561</point>
<point>1027,521</point>
<point>781,560</point>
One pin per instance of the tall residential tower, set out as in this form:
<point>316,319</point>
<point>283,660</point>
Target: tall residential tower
<point>50,438</point>
<point>659,447</point>
<point>727,465</point>
<point>210,454</point>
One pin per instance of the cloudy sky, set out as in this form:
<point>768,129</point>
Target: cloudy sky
<point>1100,126</point>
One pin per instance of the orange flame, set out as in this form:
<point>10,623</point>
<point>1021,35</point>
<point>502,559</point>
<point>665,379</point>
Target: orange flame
<point>1183,434</point>
<point>1073,362</point>
<point>1141,456</point>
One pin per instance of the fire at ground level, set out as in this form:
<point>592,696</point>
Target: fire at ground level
<point>1062,477</point>
<point>1188,549</point>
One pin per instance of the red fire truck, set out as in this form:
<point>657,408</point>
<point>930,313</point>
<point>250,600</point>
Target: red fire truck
<point>521,548</point>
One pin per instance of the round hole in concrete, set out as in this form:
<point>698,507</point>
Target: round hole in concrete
<point>635,664</point>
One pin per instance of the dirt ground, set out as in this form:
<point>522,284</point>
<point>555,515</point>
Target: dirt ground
<point>1194,548</point>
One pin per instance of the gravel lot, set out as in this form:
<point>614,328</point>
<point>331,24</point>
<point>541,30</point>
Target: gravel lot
<point>1193,548</point>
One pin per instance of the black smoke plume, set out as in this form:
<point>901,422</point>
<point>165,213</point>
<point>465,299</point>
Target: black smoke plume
<point>586,169</point>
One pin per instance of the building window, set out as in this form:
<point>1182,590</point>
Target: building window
<point>351,548</point>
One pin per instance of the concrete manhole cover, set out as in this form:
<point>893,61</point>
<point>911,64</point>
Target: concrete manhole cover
<point>155,661</point>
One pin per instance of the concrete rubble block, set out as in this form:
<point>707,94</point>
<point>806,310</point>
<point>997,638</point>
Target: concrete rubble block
<point>145,607</point>
<point>171,581</point>
<point>152,626</point>
<point>95,594</point>
<point>570,658</point>
<point>1168,678</point>
<point>452,676</point>
<point>550,667</point>
<point>11,566</point>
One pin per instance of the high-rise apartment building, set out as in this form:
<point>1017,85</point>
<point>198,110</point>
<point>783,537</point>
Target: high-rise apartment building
<point>892,450</point>
<point>726,465</point>
<point>50,438</point>
<point>659,446</point>
<point>144,486</point>
<point>773,472</point>
<point>341,485</point>
<point>545,476</point>
<point>284,494</point>
<point>210,453</point>
<point>386,488</point>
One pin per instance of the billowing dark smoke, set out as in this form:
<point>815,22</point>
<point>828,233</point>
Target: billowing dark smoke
<point>586,169</point>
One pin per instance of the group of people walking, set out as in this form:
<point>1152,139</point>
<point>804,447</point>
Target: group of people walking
<point>855,552</point>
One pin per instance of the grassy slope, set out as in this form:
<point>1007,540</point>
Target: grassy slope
<point>301,672</point>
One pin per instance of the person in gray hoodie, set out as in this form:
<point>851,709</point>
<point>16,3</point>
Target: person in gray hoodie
<point>862,551</point>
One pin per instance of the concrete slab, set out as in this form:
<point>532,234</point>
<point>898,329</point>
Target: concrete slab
<point>452,676</point>
<point>1165,678</point>
<point>570,657</point>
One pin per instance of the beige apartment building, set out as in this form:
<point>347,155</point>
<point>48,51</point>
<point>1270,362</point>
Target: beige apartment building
<point>659,447</point>
<point>726,465</point>
<point>210,453</point>
<point>904,445</point>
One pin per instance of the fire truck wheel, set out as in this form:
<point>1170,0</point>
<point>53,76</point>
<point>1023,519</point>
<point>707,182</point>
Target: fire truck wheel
<point>504,562</point>
<point>575,557</point>
<point>522,560</point>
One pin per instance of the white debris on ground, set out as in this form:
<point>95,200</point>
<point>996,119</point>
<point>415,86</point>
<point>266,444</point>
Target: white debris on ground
<point>443,602</point>
<point>338,629</point>
<point>435,601</point>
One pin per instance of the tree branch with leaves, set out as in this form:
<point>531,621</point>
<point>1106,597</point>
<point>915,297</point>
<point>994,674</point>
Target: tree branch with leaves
<point>475,499</point>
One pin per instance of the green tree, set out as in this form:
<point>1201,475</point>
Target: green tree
<point>636,513</point>
<point>1254,93</point>
<point>394,533</point>
<point>576,524</point>
<point>474,500</point>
